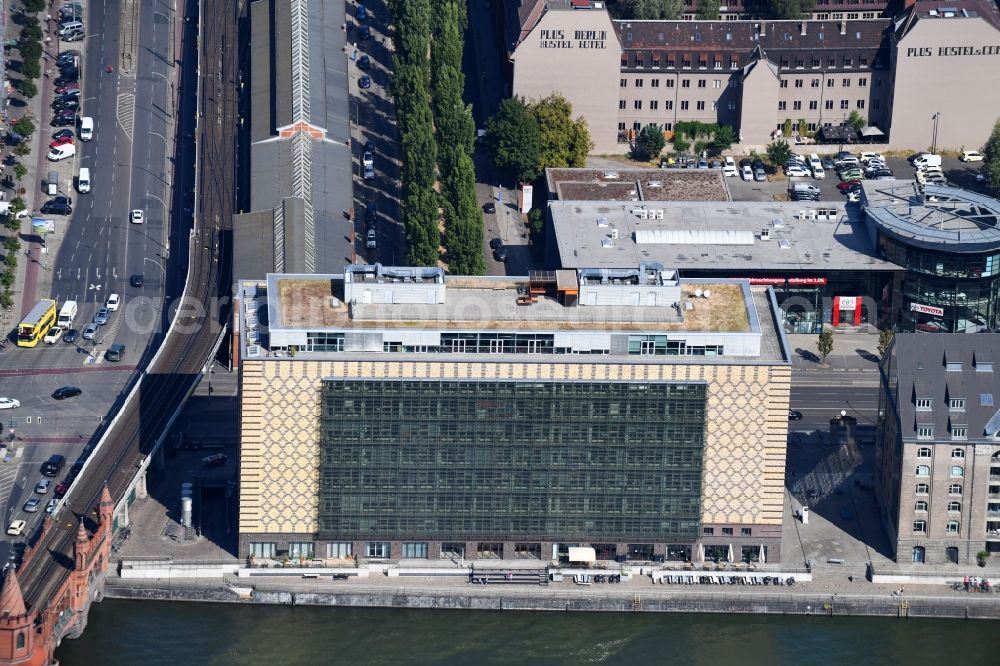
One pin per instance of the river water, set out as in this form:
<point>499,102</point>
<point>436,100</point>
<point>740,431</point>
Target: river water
<point>153,633</point>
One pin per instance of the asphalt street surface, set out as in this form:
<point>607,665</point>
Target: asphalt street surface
<point>129,161</point>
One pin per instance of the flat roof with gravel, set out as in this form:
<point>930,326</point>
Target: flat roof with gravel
<point>637,184</point>
<point>717,235</point>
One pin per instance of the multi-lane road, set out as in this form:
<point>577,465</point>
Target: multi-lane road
<point>98,249</point>
<point>144,419</point>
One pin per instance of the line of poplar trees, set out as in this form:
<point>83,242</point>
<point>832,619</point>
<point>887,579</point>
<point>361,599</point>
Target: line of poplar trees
<point>437,135</point>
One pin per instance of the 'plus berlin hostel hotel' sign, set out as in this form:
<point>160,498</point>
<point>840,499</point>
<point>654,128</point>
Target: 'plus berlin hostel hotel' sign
<point>582,39</point>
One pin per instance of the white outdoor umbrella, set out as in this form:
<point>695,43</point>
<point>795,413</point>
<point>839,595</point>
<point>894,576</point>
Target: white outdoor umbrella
<point>732,558</point>
<point>701,552</point>
<point>763,555</point>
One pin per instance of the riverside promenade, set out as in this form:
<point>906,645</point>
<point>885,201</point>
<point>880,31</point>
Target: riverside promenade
<point>819,597</point>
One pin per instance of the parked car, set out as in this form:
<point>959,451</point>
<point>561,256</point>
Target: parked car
<point>365,32</point>
<point>364,62</point>
<point>729,168</point>
<point>53,208</point>
<point>9,403</point>
<point>759,175</point>
<point>500,253</point>
<point>747,172</point>
<point>51,506</point>
<point>796,171</point>
<point>61,489</point>
<point>496,243</point>
<point>61,141</point>
<point>365,82</point>
<point>371,240</point>
<point>371,216</point>
<point>63,133</point>
<point>62,120</point>
<point>702,164</point>
<point>971,156</point>
<point>65,392</point>
<point>827,163</point>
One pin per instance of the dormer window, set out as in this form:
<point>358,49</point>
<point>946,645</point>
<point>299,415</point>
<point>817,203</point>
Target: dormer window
<point>924,404</point>
<point>953,366</point>
<point>984,366</point>
<point>956,404</point>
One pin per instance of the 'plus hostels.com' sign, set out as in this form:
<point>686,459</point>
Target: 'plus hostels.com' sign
<point>952,51</point>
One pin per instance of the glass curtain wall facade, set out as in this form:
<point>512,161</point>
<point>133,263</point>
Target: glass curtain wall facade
<point>463,460</point>
<point>944,292</point>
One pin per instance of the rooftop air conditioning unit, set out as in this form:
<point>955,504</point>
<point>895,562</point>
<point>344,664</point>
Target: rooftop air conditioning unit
<point>655,183</point>
<point>765,234</point>
<point>602,221</point>
<point>610,175</point>
<point>614,233</point>
<point>606,243</point>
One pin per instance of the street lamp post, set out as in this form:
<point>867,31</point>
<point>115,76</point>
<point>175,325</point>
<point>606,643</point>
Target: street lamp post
<point>936,117</point>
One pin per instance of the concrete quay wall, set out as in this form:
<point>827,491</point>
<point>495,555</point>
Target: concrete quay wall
<point>784,603</point>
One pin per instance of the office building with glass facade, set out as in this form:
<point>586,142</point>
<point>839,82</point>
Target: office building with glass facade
<point>395,413</point>
<point>948,242</point>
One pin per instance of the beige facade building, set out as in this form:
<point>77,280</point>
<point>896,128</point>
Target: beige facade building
<point>396,413</point>
<point>574,54</point>
<point>947,79</point>
<point>756,75</point>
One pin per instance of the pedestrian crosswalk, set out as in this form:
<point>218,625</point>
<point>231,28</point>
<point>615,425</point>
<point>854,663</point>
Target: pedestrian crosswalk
<point>8,475</point>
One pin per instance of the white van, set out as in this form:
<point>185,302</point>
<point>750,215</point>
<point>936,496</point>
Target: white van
<point>866,157</point>
<point>62,152</point>
<point>66,314</point>
<point>70,26</point>
<point>816,166</point>
<point>927,161</point>
<point>52,183</point>
<point>83,180</point>
<point>86,128</point>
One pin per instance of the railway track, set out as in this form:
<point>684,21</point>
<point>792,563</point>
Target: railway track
<point>187,347</point>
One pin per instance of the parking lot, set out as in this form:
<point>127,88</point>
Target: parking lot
<point>959,174</point>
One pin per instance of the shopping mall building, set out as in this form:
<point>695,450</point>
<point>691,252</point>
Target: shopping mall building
<point>903,258</point>
<point>398,413</point>
<point>930,68</point>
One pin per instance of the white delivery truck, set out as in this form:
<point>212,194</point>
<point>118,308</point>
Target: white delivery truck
<point>86,128</point>
<point>67,314</point>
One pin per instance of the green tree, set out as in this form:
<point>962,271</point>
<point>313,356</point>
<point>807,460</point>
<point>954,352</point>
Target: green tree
<point>786,128</point>
<point>991,158</point>
<point>857,121</point>
<point>884,340</point>
<point>34,5</point>
<point>681,144</point>
<point>31,30</point>
<point>564,142</point>
<point>11,244</point>
<point>649,144</point>
<point>6,300</point>
<point>723,139</point>
<point>20,171</point>
<point>779,9</point>
<point>28,88</point>
<point>824,345</point>
<point>536,221</point>
<point>29,49</point>
<point>7,278</point>
<point>22,148</point>
<point>649,9</point>
<point>708,10</point>
<point>514,139</point>
<point>778,152</point>
<point>24,126</point>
